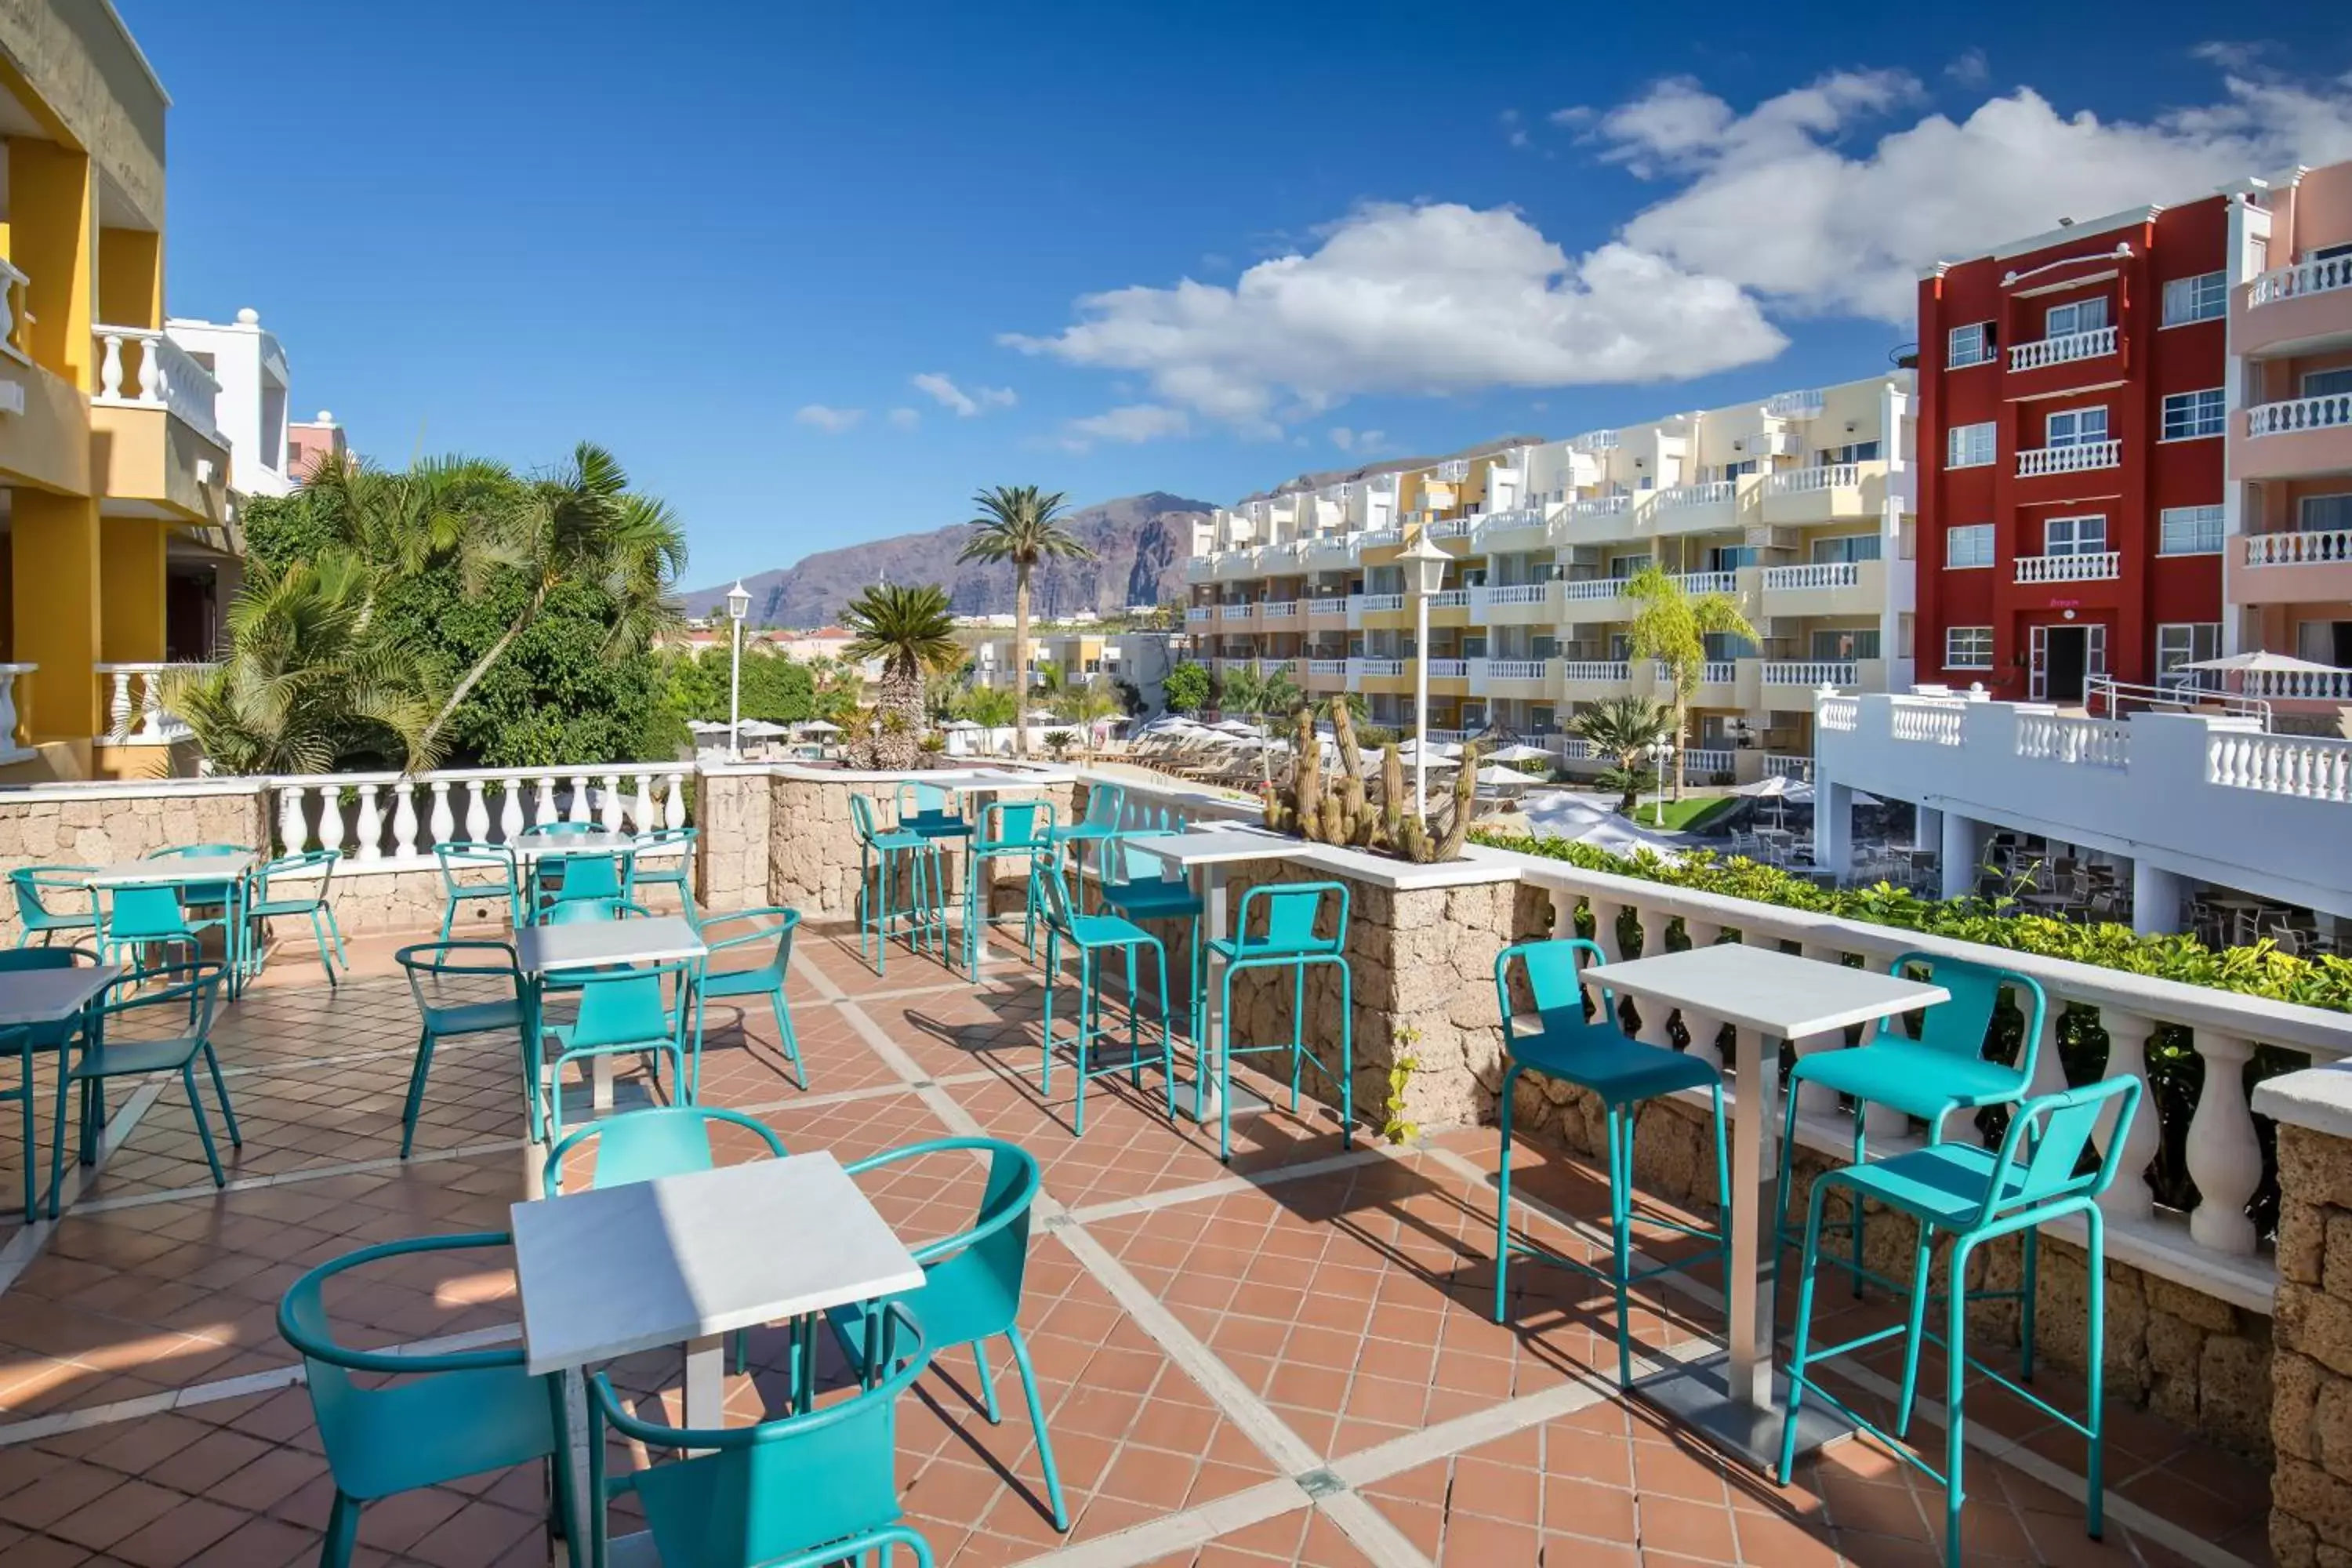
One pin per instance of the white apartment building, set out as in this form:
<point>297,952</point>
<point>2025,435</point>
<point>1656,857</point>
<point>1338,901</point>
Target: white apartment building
<point>248,361</point>
<point>1140,659</point>
<point>1801,507</point>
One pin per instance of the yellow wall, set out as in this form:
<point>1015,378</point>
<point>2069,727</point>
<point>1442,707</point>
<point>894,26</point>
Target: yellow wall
<point>130,278</point>
<point>56,575</point>
<point>53,240</point>
<point>131,574</point>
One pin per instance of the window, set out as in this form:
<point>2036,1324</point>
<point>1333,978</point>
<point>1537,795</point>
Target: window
<point>1620,648</point>
<point>2188,414</point>
<point>2329,252</point>
<point>1846,547</point>
<point>2315,513</point>
<point>1725,645</point>
<point>1851,452</point>
<point>1734,471</point>
<point>2074,536</point>
<point>1624,566</point>
<point>1731,557</point>
<point>1968,647</point>
<point>1859,643</point>
<point>2327,382</point>
<point>2077,427</point>
<point>2182,643</point>
<point>2189,531</point>
<point>2326,642</point>
<point>2083,316</point>
<point>1971,344</point>
<point>2200,298</point>
<point>1968,545</point>
<point>1969,445</point>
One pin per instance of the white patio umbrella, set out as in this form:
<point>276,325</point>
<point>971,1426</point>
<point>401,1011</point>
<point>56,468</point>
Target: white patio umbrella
<point>2261,659</point>
<point>706,726</point>
<point>760,728</point>
<point>1507,777</point>
<point>1234,727</point>
<point>1772,786</point>
<point>959,725</point>
<point>1038,716</point>
<point>817,727</point>
<point>1518,751</point>
<point>1411,749</point>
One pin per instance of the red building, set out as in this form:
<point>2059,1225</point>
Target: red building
<point>2074,402</point>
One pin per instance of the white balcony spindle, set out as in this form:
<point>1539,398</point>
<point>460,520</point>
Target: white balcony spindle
<point>612,814</point>
<point>2127,1036</point>
<point>643,819</point>
<point>445,825</point>
<point>1703,1029</point>
<point>543,809</point>
<point>293,832</point>
<point>674,811</point>
<point>2222,1156</point>
<point>403,818</point>
<point>1604,928</point>
<point>117,708</point>
<point>110,368</point>
<point>579,798</point>
<point>371,827</point>
<point>152,719</point>
<point>1655,1014</point>
<point>478,810</point>
<point>1818,1099</point>
<point>511,790</point>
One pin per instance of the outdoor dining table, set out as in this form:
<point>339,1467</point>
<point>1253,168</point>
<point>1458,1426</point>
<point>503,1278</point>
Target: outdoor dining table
<point>1206,853</point>
<point>1764,994</point>
<point>686,1260</point>
<point>540,841</point>
<point>983,785</point>
<point>544,950</point>
<point>34,996</point>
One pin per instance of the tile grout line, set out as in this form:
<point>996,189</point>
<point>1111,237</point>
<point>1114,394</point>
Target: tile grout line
<point>26,1244</point>
<point>1186,1530</point>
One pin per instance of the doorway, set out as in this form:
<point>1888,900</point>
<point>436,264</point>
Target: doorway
<point>2064,659</point>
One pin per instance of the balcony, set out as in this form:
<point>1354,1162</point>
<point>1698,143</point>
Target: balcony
<point>1824,588</point>
<point>1450,599</point>
<point>1582,680</point>
<point>2301,436</point>
<point>133,697</point>
<point>2312,567</point>
<point>1330,551</point>
<point>1326,671</point>
<point>1804,404</point>
<point>1824,492</point>
<point>1509,677</point>
<point>1695,509</point>
<point>1593,599</point>
<point>1279,610</point>
<point>2067,350</point>
<point>1521,528</point>
<point>1230,614</point>
<point>1199,568</point>
<point>1326,611</point>
<point>1200,614</point>
<point>1378,668</point>
<point>2324,686</point>
<point>2090,566</point>
<point>1269,667</point>
<point>1812,674</point>
<point>2298,310</point>
<point>1375,604</point>
<point>1595,518</point>
<point>1697,582</point>
<point>1236,564</point>
<point>1452,527</point>
<point>151,424</point>
<point>1513,603</point>
<point>2035,462</point>
<point>1448,669</point>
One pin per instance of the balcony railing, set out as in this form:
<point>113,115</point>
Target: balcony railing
<point>1805,404</point>
<point>1453,470</point>
<point>1514,668</point>
<point>2092,567</point>
<point>1709,582</point>
<point>1376,601</point>
<point>12,747</point>
<point>1809,672</point>
<point>1376,666</point>
<point>1199,613</point>
<point>1714,492</point>
<point>1378,538</point>
<point>135,711</point>
<point>2299,549</point>
<point>1601,506</point>
<point>2062,350</point>
<point>1236,612</point>
<point>1327,667</point>
<point>2038,460</point>
<point>1450,599</point>
<point>1516,593</point>
<point>1285,611</point>
<point>1594,588</point>
<point>1496,522</point>
<point>1814,575</point>
<point>2329,411</point>
<point>1787,767</point>
<point>1452,528</point>
<point>12,320</point>
<point>162,374</point>
<point>1273,667</point>
<point>1703,763</point>
<point>2306,765</point>
<point>2316,277</point>
<point>400,818</point>
<point>1595,669</point>
<point>1449,668</point>
<point>2298,685</point>
<point>1820,477</point>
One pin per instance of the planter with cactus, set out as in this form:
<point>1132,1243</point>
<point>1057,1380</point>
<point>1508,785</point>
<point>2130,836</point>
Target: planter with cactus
<point>1344,814</point>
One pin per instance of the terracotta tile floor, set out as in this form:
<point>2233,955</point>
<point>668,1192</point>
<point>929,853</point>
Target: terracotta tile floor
<point>1290,1361</point>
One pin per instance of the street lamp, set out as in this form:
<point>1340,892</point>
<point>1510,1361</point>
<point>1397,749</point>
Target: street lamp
<point>1425,566</point>
<point>738,605</point>
<point>1666,751</point>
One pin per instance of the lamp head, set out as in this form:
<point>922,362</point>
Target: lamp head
<point>1424,563</point>
<point>738,602</point>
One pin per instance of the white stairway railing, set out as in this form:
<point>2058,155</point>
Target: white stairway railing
<point>397,818</point>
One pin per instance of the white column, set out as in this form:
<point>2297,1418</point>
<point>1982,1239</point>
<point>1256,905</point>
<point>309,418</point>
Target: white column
<point>445,825</point>
<point>1962,844</point>
<point>645,820</point>
<point>612,814</point>
<point>478,810</point>
<point>545,812</point>
<point>2223,1159</point>
<point>579,798</point>
<point>674,807</point>
<point>1604,928</point>
<point>511,808</point>
<point>2157,897</point>
<point>2127,1034</point>
<point>1833,826</point>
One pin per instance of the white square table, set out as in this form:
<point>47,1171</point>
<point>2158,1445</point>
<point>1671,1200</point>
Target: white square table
<point>1206,853</point>
<point>544,950</point>
<point>51,995</point>
<point>688,1259</point>
<point>1762,993</point>
<point>539,841</point>
<point>170,870</point>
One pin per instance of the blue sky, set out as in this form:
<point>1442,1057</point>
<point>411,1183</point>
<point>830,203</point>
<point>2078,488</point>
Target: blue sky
<point>726,239</point>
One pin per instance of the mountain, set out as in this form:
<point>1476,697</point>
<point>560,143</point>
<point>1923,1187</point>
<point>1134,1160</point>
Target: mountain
<point>1140,543</point>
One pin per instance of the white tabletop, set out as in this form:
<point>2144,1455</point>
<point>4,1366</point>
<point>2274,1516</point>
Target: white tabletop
<point>615,1270</point>
<point>1219,846</point>
<point>539,841</point>
<point>171,869</point>
<point>51,995</point>
<point>987,780</point>
<point>588,944</point>
<point>1766,990</point>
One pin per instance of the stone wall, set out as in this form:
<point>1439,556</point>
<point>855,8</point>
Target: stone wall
<point>731,819</point>
<point>813,856</point>
<point>2311,1421</point>
<point>78,828</point>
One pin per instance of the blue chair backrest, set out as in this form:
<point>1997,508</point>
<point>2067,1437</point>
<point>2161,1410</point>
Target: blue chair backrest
<point>1016,825</point>
<point>194,851</point>
<point>603,875</point>
<point>861,817</point>
<point>624,1006</point>
<point>1550,969</point>
<point>2042,1152</point>
<point>459,855</point>
<point>192,990</point>
<point>32,881</point>
<point>1104,804</point>
<point>1139,863</point>
<point>980,1268</point>
<point>1058,913</point>
<point>928,801</point>
<point>1963,1024</point>
<point>459,957</point>
<point>323,861</point>
<point>135,912</point>
<point>639,1145</point>
<point>1293,915</point>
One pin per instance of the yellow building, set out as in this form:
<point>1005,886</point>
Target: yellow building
<point>115,479</point>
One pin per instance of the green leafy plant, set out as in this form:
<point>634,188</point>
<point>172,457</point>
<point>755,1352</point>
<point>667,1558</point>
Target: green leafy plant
<point>1186,686</point>
<point>1059,743</point>
<point>1625,730</point>
<point>1395,1125</point>
<point>1672,627</point>
<point>911,631</point>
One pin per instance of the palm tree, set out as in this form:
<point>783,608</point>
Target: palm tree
<point>1020,525</point>
<point>912,632</point>
<point>1624,730</point>
<point>1672,626</point>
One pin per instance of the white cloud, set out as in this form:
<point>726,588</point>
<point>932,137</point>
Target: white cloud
<point>1361,442</point>
<point>905,418</point>
<point>832,421</point>
<point>1132,423</point>
<point>967,405</point>
<point>1422,300</point>
<point>1970,70</point>
<point>1769,203</point>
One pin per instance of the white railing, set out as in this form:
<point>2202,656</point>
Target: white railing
<point>1719,672</point>
<point>1452,528</point>
<point>2091,566</point>
<point>1270,666</point>
<point>1814,575</point>
<point>1376,666</point>
<point>166,377</point>
<point>2328,411</point>
<point>1236,612</point>
<point>1703,763</point>
<point>2092,743</point>
<point>1496,522</point>
<point>11,749</point>
<point>2038,460</point>
<point>2299,549</point>
<point>1573,748</point>
<point>1935,725</point>
<point>395,819</point>
<point>1199,613</point>
<point>2062,350</point>
<point>2309,766</point>
<point>135,713</point>
<point>2315,277</point>
<point>1839,713</point>
<point>1595,669</point>
<point>1286,610</point>
<point>1437,737</point>
<point>1803,405</point>
<point>14,318</point>
<point>1779,766</point>
<point>1376,601</point>
<point>1714,492</point>
<point>1449,668</point>
<point>1514,668</point>
<point>1380,538</point>
<point>1709,582</point>
<point>1453,470</point>
<point>1327,667</point>
<point>2298,685</point>
<point>1592,588</point>
<point>1812,672</point>
<point>1327,604</point>
<point>1601,506</point>
<point>1450,599</point>
<point>1820,477</point>
<point>1516,593</point>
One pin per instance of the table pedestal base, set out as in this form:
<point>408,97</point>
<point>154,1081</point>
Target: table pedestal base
<point>1247,1101</point>
<point>1698,1396</point>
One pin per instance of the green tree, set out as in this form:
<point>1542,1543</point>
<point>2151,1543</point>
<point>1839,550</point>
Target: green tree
<point>1671,627</point>
<point>1625,729</point>
<point>1186,686</point>
<point>1020,525</point>
<point>912,632</point>
<point>991,706</point>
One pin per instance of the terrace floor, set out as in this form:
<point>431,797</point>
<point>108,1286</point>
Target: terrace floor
<point>1286,1362</point>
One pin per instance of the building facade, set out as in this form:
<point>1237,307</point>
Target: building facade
<point>1800,507</point>
<point>309,442</point>
<point>247,363</point>
<point>1141,659</point>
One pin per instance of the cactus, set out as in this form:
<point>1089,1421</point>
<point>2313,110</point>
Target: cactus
<point>1343,812</point>
<point>1391,791</point>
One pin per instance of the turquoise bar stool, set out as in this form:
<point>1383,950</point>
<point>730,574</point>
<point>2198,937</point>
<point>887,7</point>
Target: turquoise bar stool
<point>1152,888</point>
<point>1020,830</point>
<point>1943,1071</point>
<point>36,885</point>
<point>972,1283</point>
<point>1289,936</point>
<point>446,1414</point>
<point>819,1487</point>
<point>657,867</point>
<point>1094,936</point>
<point>883,853</point>
<point>168,1043</point>
<point>27,1043</point>
<point>937,815</point>
<point>1977,1195</point>
<point>623,1012</point>
<point>1592,1053</point>
<point>1106,808</point>
<point>492,1004</point>
<point>473,873</point>
<point>261,904</point>
<point>766,979</point>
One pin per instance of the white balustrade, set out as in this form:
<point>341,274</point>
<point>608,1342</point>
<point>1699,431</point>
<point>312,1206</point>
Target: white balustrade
<point>1584,588</point>
<point>1601,506</point>
<point>1376,601</point>
<point>1573,748</point>
<point>136,713</point>
<point>1714,492</point>
<point>1452,527</point>
<point>1516,593</point>
<point>2035,461</point>
<point>2304,548</point>
<point>164,375</point>
<point>1285,611</point>
<point>2297,685</point>
<point>1595,669</point>
<point>1719,672</point>
<point>1835,713</point>
<point>14,317</point>
<point>472,805</point>
<point>1378,666</point>
<point>2091,743</point>
<point>1814,575</point>
<point>1935,725</point>
<point>1327,667</point>
<point>1448,669</point>
<point>1236,612</point>
<point>1515,670</point>
<point>1709,582</point>
<point>2315,275</point>
<point>2062,350</point>
<point>1703,763</point>
<point>1798,768</point>
<point>2329,411</point>
<point>1803,405</point>
<point>1199,613</point>
<point>1510,521</point>
<point>1272,666</point>
<point>2090,566</point>
<point>2314,767</point>
<point>1814,672</point>
<point>1806,480</point>
<point>1380,538</point>
<point>1450,599</point>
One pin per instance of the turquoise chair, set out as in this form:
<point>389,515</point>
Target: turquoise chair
<point>1594,1054</point>
<point>446,1416</point>
<point>1977,1195</point>
<point>668,870</point>
<point>433,965</point>
<point>1020,830</point>
<point>761,980</point>
<point>1106,805</point>
<point>972,1283</point>
<point>600,876</point>
<point>472,872</point>
<point>937,815</point>
<point>35,885</point>
<point>881,852</point>
<point>1152,888</point>
<point>816,1488</point>
<point>1289,936</point>
<point>192,987</point>
<point>223,896</point>
<point>623,1012</point>
<point>1093,936</point>
<point>659,1141</point>
<point>139,916</point>
<point>1943,1071</point>
<point>259,905</point>
<point>28,1041</point>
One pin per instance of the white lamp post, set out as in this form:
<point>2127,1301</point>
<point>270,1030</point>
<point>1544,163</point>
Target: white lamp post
<point>1425,566</point>
<point>738,605</point>
<point>1658,815</point>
